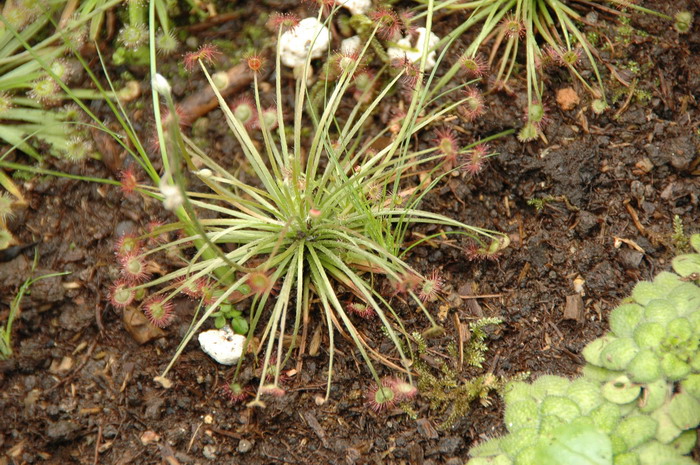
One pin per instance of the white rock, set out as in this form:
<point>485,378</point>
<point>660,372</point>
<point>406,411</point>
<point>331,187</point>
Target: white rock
<point>310,37</point>
<point>351,45</point>
<point>357,7</point>
<point>406,50</point>
<point>223,345</point>
<point>204,173</point>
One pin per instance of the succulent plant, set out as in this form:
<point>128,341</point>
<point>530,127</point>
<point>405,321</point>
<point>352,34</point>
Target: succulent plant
<point>638,399</point>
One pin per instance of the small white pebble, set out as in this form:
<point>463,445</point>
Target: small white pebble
<point>204,173</point>
<point>351,45</point>
<point>223,345</point>
<point>310,37</point>
<point>405,49</point>
<point>209,452</point>
<point>357,7</point>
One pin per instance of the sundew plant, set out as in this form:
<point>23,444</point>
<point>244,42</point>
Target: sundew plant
<point>324,217</point>
<point>30,96</point>
<point>549,33</point>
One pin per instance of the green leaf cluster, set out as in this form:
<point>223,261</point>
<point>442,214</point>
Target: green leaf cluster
<point>446,390</point>
<point>638,400</point>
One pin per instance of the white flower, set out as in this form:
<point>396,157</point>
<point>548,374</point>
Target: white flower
<point>357,7</point>
<point>161,85</point>
<point>405,49</point>
<point>172,196</point>
<point>310,37</point>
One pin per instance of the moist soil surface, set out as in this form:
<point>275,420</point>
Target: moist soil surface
<point>80,389</point>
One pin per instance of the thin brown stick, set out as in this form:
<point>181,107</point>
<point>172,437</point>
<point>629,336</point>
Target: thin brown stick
<point>630,94</point>
<point>202,102</point>
<point>97,445</point>
<point>482,296</point>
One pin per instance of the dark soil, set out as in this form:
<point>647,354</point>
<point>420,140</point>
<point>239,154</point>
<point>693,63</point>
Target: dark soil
<point>79,389</point>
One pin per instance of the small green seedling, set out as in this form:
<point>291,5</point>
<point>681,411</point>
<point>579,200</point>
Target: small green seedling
<point>227,314</point>
<point>6,329</point>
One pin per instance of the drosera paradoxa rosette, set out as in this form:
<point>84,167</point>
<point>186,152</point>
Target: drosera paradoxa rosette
<point>294,230</point>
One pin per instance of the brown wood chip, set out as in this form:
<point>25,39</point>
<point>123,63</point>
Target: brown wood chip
<point>426,429</point>
<point>574,308</point>
<point>316,426</point>
<point>136,323</point>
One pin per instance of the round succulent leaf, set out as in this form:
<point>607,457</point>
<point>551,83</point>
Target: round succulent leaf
<point>561,407</point>
<point>585,393</point>
<point>497,460</point>
<point>654,395</point>
<point>502,459</point>
<point>598,374</point>
<point>674,368</point>
<point>686,299</point>
<point>618,444</point>
<point>625,318</point>
<point>695,362</point>
<point>618,354</point>
<point>684,410</point>
<point>644,292</point>
<point>527,456</point>
<point>649,335</point>
<point>514,442</point>
<point>667,281</point>
<point>694,319</point>
<point>583,421</point>
<point>621,390</point>
<point>517,391</point>
<point>695,242</point>
<point>239,326</point>
<point>678,332</point>
<point>488,448</point>
<point>635,430</point>
<point>660,311</point>
<point>655,453</point>
<point>645,367</point>
<point>549,385</point>
<point>686,265</point>
<point>606,417</point>
<point>626,458</point>
<point>685,443</point>
<point>666,430</point>
<point>595,348</point>
<point>691,385</point>
<point>629,408</point>
<point>550,423</point>
<point>522,414</point>
<point>575,445</point>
